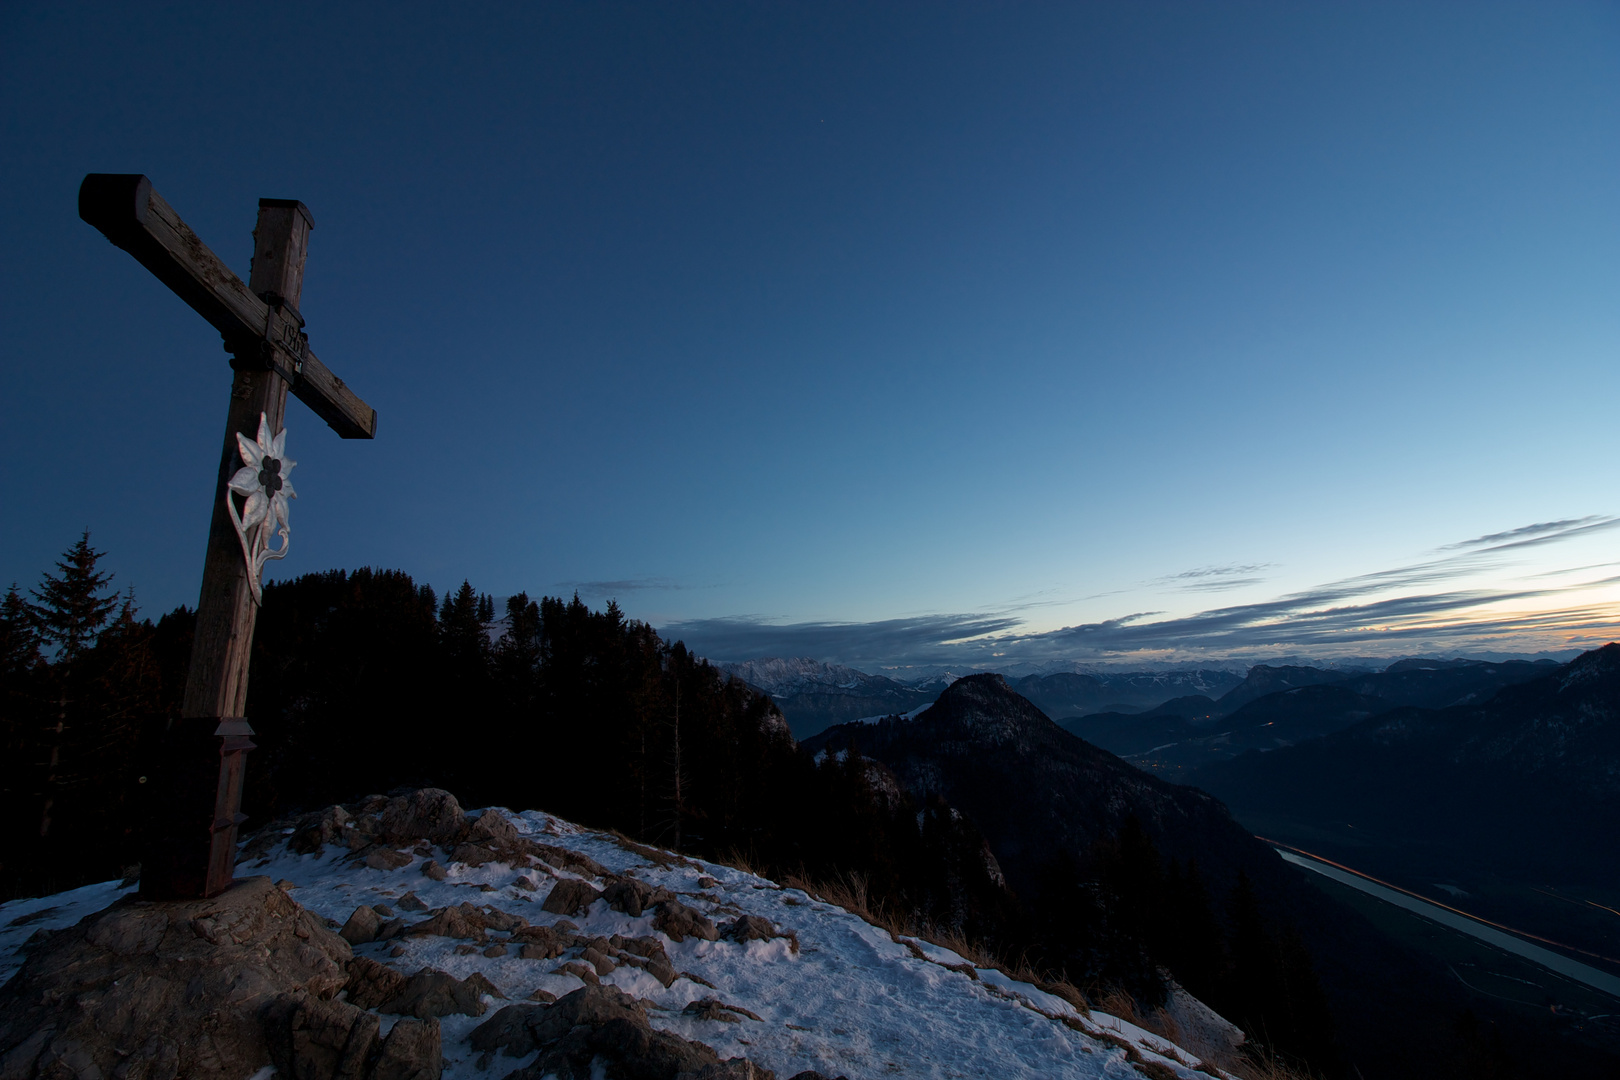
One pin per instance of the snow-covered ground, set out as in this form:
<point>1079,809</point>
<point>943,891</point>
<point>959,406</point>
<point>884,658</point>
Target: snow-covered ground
<point>849,1001</point>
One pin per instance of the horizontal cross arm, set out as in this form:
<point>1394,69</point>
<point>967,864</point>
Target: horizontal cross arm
<point>136,218</point>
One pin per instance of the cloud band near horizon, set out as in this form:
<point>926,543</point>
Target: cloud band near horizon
<point>1337,618</point>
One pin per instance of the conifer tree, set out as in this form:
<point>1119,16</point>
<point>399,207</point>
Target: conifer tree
<point>19,641</point>
<point>519,646</point>
<point>70,609</point>
<point>461,626</point>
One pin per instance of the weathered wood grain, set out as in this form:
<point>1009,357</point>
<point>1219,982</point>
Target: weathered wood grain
<point>217,683</point>
<point>136,218</point>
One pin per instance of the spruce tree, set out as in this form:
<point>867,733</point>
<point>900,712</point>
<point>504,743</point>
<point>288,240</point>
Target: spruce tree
<point>461,626</point>
<point>19,641</point>
<point>70,609</point>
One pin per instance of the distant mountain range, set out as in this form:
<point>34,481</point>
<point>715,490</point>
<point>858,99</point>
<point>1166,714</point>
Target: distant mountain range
<point>1275,707</point>
<point>814,695</point>
<point>1072,694</point>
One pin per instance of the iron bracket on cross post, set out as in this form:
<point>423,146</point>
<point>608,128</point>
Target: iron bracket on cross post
<point>283,347</point>
<point>235,742</point>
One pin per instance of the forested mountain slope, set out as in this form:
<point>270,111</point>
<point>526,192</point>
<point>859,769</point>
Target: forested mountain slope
<point>1524,780</point>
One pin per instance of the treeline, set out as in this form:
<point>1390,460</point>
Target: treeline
<point>366,682</point>
<point>82,681</point>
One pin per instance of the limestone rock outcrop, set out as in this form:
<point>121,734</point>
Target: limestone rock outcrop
<point>200,989</point>
<point>601,1024</point>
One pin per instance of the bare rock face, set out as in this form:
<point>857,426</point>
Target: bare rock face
<point>384,858</point>
<point>570,896</point>
<point>362,926</point>
<point>601,1024</point>
<point>494,825</point>
<point>371,983</point>
<point>430,814</point>
<point>431,993</point>
<point>200,989</point>
<point>412,1051</point>
<point>462,921</point>
<point>633,897</point>
<point>746,928</point>
<point>681,922</point>
<point>314,831</point>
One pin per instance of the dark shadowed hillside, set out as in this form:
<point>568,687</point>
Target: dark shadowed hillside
<point>1073,694</point>
<point>1519,783</point>
<point>1284,706</point>
<point>1035,790</point>
<point>1038,793</point>
<point>1437,684</point>
<point>1170,745</point>
<point>1264,679</point>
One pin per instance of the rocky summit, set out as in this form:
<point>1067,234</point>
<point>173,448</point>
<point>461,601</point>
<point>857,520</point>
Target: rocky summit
<point>206,988</point>
<point>430,944</point>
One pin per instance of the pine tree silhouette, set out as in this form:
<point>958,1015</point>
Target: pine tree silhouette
<point>70,610</point>
<point>69,613</point>
<point>19,641</point>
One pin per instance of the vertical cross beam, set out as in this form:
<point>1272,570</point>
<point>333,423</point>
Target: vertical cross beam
<point>191,849</point>
<point>216,686</point>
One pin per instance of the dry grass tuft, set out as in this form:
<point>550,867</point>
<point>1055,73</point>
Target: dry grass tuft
<point>1069,992</point>
<point>738,861</point>
<point>659,858</point>
<point>849,892</point>
<point>1254,1063</point>
<point>1261,1064</point>
<point>971,951</point>
<point>1116,1002</point>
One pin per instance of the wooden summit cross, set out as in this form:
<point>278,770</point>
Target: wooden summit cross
<point>190,846</point>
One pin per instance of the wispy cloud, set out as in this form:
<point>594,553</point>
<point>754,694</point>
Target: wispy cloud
<point>1540,533</point>
<point>1216,578</point>
<point>752,637</point>
<point>1357,614</point>
<point>1573,570</point>
<point>620,587</point>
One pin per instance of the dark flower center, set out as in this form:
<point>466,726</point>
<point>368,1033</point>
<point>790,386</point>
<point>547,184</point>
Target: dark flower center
<point>270,475</point>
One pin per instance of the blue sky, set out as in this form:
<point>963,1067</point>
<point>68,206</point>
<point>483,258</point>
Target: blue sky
<point>1115,332</point>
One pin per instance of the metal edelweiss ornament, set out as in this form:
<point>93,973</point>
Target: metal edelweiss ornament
<point>262,481</point>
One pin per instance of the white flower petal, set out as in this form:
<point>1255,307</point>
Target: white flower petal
<point>253,513</point>
<point>251,454</point>
<point>287,467</point>
<point>279,502</point>
<point>246,481</point>
<point>278,446</point>
<point>264,435</point>
<point>287,490</point>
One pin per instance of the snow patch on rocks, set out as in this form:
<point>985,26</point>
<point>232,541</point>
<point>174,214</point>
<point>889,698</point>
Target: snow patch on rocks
<point>785,981</point>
